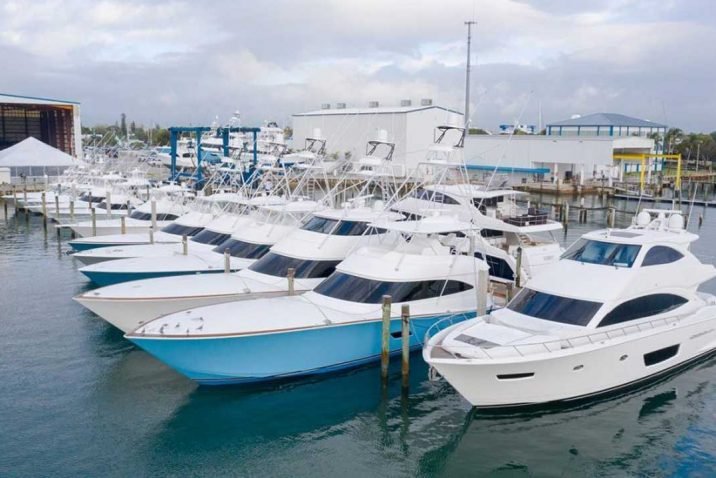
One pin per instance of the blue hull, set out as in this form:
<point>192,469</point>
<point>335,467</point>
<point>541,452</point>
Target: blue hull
<point>86,246</point>
<point>111,278</point>
<point>247,359</point>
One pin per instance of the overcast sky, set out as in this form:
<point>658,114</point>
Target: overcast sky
<point>180,62</point>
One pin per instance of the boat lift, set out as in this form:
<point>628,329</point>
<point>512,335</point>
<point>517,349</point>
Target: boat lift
<point>642,158</point>
<point>175,131</point>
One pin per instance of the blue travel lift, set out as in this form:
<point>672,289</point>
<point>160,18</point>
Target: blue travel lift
<point>174,133</point>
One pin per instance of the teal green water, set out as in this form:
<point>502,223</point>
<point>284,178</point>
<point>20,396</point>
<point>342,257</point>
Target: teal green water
<point>76,399</point>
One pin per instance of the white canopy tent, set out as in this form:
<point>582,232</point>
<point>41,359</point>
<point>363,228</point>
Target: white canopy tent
<point>32,157</point>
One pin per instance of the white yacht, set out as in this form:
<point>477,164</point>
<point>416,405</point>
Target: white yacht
<point>622,306</point>
<point>313,251</point>
<point>335,326</point>
<point>139,220</point>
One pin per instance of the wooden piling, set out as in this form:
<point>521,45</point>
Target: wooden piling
<point>611,217</point>
<point>291,275</point>
<point>151,235</point>
<point>385,338</point>
<point>123,225</point>
<point>154,213</point>
<point>565,214</point>
<point>72,210</point>
<point>483,279</point>
<point>184,245</point>
<point>405,336</point>
<point>227,261</point>
<point>108,202</point>
<point>518,268</point>
<point>44,207</point>
<point>94,221</point>
<point>24,198</point>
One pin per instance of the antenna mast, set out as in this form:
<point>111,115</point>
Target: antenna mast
<point>467,76</point>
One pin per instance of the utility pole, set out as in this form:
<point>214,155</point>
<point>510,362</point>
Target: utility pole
<point>467,76</point>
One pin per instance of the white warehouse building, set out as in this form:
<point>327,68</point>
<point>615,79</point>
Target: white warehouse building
<point>347,130</point>
<point>551,158</point>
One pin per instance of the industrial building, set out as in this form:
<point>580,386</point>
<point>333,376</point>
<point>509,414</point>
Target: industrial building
<point>54,122</point>
<point>347,130</point>
<point>552,158</point>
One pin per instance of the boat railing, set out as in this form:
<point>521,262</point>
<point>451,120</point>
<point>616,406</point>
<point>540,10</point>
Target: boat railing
<point>473,351</point>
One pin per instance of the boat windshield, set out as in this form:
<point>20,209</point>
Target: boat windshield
<point>367,291</point>
<point>182,230</point>
<point>146,216</point>
<point>211,238</point>
<point>604,253</point>
<point>339,228</point>
<point>242,250</point>
<point>553,307</point>
<point>277,265</point>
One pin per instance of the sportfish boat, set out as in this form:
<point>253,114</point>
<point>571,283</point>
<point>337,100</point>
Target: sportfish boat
<point>507,230</point>
<point>189,224</point>
<point>335,326</point>
<point>312,251</point>
<point>622,306</point>
<point>137,221</point>
<point>138,262</point>
<point>204,210</point>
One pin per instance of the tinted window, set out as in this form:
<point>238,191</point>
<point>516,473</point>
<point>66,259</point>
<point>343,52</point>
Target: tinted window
<point>320,224</point>
<point>339,228</point>
<point>433,196</point>
<point>553,307</point>
<point>657,356</point>
<point>114,206</point>
<point>661,255</point>
<point>277,265</point>
<point>210,238</point>
<point>357,289</point>
<point>243,250</point>
<point>181,230</point>
<point>498,267</point>
<point>145,216</point>
<point>604,253</point>
<point>142,216</point>
<point>642,307</point>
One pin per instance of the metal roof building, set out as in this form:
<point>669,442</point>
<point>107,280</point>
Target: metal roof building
<point>347,130</point>
<point>52,121</point>
<point>604,124</point>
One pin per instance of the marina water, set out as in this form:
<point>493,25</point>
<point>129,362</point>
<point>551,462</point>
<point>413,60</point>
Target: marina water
<point>76,399</point>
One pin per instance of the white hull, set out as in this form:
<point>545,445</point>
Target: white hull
<point>575,372</point>
<point>126,312</point>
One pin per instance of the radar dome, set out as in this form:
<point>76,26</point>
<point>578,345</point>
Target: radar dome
<point>676,221</point>
<point>643,219</point>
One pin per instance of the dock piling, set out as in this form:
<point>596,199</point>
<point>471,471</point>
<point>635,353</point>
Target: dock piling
<point>518,268</point>
<point>385,338</point>
<point>24,198</point>
<point>184,245</point>
<point>151,235</point>
<point>123,225</point>
<point>227,261</point>
<point>94,221</point>
<point>44,208</point>
<point>405,336</point>
<point>108,202</point>
<point>72,210</point>
<point>154,213</point>
<point>291,275</point>
<point>483,278</point>
<point>57,207</point>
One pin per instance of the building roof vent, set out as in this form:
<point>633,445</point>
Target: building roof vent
<point>373,104</point>
<point>426,102</point>
<point>405,103</point>
<point>325,106</point>
<point>340,106</point>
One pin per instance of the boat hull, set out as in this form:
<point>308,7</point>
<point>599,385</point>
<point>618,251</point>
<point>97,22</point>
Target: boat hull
<point>105,278</point>
<point>579,373</point>
<point>271,356</point>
